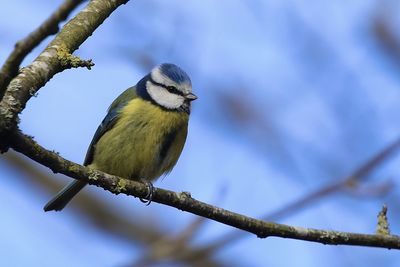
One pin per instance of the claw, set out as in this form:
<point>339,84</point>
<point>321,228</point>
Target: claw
<point>150,193</point>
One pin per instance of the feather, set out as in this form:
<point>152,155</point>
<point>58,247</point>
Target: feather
<point>109,120</point>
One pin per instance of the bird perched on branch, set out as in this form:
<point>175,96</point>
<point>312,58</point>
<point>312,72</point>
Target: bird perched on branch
<point>143,133</point>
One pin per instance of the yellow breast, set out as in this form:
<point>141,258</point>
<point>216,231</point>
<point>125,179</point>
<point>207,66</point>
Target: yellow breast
<point>145,142</point>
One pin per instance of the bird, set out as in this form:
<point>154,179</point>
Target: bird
<point>143,133</point>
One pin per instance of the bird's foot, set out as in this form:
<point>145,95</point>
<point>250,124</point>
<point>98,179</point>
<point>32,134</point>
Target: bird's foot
<point>150,192</point>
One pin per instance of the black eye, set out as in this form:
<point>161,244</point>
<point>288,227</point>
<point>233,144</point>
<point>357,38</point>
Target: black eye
<point>173,90</point>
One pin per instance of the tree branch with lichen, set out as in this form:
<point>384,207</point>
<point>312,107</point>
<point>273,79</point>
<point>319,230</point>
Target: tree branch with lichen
<point>159,244</point>
<point>358,176</point>
<point>185,202</point>
<point>58,57</point>
<point>23,47</point>
<point>47,64</point>
<point>67,60</point>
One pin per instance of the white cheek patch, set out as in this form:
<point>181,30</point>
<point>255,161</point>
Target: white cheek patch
<point>164,98</point>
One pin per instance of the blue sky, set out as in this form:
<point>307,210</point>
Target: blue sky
<point>293,95</point>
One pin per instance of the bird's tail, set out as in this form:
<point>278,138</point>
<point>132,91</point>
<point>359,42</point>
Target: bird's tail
<point>59,201</point>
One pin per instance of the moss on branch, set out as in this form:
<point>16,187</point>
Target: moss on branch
<point>383,224</point>
<point>67,60</point>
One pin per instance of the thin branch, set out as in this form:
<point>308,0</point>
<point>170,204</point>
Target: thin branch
<point>185,202</point>
<point>383,225</point>
<point>357,176</point>
<point>22,48</point>
<point>47,64</point>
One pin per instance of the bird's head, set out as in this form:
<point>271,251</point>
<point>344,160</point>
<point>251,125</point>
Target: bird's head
<point>170,87</point>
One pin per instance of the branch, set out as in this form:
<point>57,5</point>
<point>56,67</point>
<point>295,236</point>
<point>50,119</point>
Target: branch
<point>50,26</point>
<point>359,175</point>
<point>47,64</point>
<point>104,217</point>
<point>185,202</point>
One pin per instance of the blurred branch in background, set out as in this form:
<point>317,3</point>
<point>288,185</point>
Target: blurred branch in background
<point>179,247</point>
<point>23,47</point>
<point>258,127</point>
<point>385,34</point>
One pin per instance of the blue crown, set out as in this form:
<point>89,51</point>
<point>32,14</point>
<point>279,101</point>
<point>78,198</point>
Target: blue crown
<point>175,73</point>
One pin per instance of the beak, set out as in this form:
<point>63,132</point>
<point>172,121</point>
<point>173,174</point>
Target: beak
<point>190,97</point>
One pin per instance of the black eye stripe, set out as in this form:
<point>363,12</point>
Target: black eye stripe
<point>171,89</point>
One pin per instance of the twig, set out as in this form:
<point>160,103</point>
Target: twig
<point>383,224</point>
<point>185,202</point>
<point>355,177</point>
<point>50,26</point>
<point>47,64</point>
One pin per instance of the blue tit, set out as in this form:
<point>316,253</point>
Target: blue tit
<point>143,133</point>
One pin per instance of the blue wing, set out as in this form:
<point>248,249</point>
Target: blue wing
<point>110,119</point>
